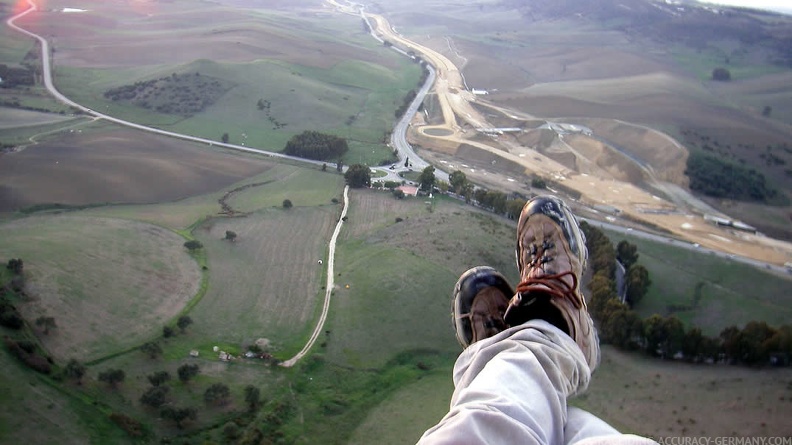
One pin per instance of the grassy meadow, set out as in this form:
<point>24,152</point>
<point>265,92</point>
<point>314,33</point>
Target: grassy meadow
<point>388,341</point>
<point>113,271</point>
<point>708,291</point>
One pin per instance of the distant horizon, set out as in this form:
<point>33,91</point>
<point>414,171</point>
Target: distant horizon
<point>783,6</point>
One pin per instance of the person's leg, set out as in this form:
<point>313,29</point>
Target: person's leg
<point>582,425</point>
<point>527,354</point>
<point>512,388</point>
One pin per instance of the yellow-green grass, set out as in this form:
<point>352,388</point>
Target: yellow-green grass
<point>304,187</point>
<point>182,214</point>
<point>21,135</point>
<point>265,284</point>
<point>400,274</point>
<point>731,293</point>
<point>110,284</point>
<point>634,393</point>
<point>400,301</point>
<point>36,410</point>
<point>702,63</point>
<point>178,215</point>
<point>13,44</point>
<point>13,117</point>
<point>403,417</point>
<point>137,366</point>
<point>318,99</point>
<point>660,398</point>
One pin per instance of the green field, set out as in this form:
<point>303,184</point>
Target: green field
<point>74,263</point>
<point>113,276</point>
<point>730,293</point>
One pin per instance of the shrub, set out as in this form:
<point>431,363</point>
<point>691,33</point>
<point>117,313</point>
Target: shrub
<point>131,426</point>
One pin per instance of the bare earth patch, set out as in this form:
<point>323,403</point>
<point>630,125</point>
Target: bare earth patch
<point>116,166</point>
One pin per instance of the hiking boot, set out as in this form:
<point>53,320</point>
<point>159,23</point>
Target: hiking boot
<point>551,257</point>
<point>481,296</point>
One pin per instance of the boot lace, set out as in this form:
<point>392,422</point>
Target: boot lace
<point>551,285</point>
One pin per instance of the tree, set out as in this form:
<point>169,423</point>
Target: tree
<point>224,138</point>
<point>46,322</point>
<point>152,349</point>
<point>626,253</point>
<point>654,331</point>
<point>457,179</point>
<point>15,265</point>
<point>74,370</point>
<point>158,378</point>
<point>230,236</point>
<point>154,396</point>
<point>287,204</point>
<point>398,193</point>
<point>427,178</point>
<point>187,372</point>
<point>193,245</point>
<point>721,74</point>
<point>753,341</point>
<point>467,192</point>
<point>168,332</point>
<point>112,377</point>
<point>358,176</point>
<point>637,283</point>
<point>183,322</point>
<point>252,397</point>
<point>217,394</point>
<point>179,415</point>
<point>538,183</point>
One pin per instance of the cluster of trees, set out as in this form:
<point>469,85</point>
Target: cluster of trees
<point>358,175</point>
<point>9,315</point>
<point>755,344</point>
<point>184,94</point>
<point>636,277</point>
<point>266,106</point>
<point>315,145</point>
<point>493,200</point>
<point>13,77</point>
<point>721,74</point>
<point>181,323</point>
<point>715,177</point>
<point>29,354</point>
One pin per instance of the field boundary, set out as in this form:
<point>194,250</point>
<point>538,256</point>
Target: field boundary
<point>328,289</point>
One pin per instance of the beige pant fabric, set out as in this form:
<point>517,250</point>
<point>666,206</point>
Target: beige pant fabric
<point>512,388</point>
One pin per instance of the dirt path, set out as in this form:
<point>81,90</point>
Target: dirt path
<point>683,220</point>
<point>328,289</point>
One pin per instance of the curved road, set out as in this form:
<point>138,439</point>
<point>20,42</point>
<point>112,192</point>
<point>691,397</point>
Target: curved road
<point>398,140</point>
<point>46,69</point>
<point>328,288</point>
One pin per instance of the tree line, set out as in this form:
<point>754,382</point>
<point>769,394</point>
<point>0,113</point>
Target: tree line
<point>715,177</point>
<point>14,77</point>
<point>756,343</point>
<point>317,146</point>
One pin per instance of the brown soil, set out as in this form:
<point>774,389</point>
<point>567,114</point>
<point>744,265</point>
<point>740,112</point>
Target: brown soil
<point>116,166</point>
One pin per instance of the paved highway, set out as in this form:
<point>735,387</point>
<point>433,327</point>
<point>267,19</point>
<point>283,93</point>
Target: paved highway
<point>398,140</point>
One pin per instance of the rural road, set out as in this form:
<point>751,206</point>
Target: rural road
<point>328,288</point>
<point>50,86</point>
<point>441,78</point>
